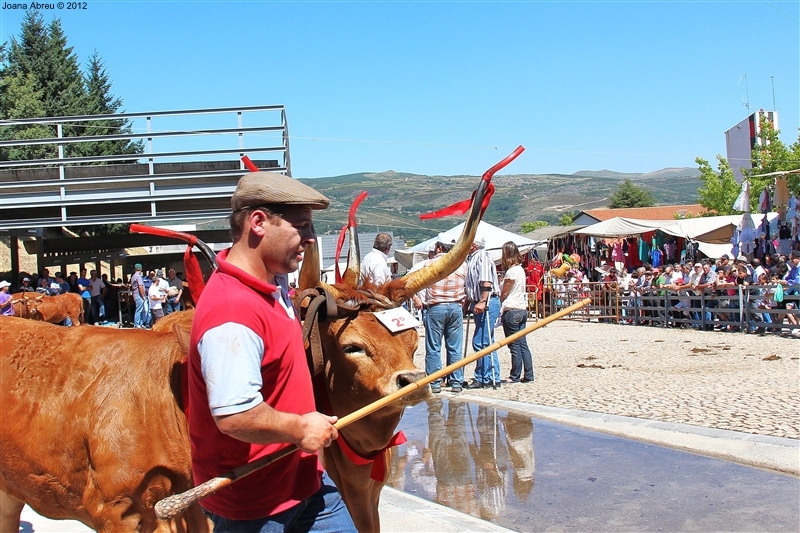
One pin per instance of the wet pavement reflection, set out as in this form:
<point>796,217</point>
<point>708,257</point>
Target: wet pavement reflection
<point>533,475</point>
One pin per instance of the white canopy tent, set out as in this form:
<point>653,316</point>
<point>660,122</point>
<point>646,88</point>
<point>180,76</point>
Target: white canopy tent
<point>495,239</point>
<point>690,228</point>
<point>712,233</point>
<point>621,227</point>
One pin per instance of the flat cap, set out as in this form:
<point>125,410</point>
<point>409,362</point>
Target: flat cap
<point>795,254</point>
<point>264,188</point>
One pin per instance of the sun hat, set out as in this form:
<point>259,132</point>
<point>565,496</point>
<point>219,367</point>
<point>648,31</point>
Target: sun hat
<point>4,283</point>
<point>26,279</point>
<point>264,188</point>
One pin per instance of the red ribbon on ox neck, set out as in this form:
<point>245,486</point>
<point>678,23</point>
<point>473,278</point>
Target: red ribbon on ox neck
<point>379,459</point>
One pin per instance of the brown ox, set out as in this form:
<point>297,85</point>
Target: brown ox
<point>52,309</point>
<point>91,426</point>
<point>364,362</point>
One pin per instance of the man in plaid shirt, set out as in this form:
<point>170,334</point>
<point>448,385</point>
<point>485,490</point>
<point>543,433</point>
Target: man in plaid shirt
<point>443,318</point>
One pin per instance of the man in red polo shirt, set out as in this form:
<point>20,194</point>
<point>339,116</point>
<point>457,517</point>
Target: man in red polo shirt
<point>250,390</point>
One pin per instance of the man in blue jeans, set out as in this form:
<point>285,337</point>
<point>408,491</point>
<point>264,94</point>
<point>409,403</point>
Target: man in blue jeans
<point>443,318</point>
<point>139,297</point>
<point>483,294</point>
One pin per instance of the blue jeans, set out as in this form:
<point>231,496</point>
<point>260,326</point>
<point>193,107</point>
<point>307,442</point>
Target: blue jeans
<point>515,320</point>
<point>172,305</point>
<point>140,315</point>
<point>322,511</point>
<point>444,320</point>
<point>710,304</point>
<point>98,308</point>
<point>487,369</point>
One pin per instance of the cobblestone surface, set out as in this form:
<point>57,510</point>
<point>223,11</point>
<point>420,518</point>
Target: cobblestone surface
<point>719,380</point>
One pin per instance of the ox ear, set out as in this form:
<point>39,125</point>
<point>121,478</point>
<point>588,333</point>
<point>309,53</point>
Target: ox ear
<point>182,336</point>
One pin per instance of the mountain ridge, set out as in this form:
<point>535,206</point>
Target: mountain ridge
<point>396,199</point>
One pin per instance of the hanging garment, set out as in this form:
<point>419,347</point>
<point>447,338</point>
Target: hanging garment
<point>656,256</point>
<point>742,202</point>
<point>669,251</point>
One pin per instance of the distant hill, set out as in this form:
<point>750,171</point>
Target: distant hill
<point>672,172</point>
<point>606,174</point>
<point>396,199</point>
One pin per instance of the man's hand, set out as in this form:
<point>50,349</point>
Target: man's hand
<point>318,432</point>
<point>479,308</point>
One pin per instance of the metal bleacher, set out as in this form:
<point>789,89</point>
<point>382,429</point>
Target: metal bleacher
<point>188,171</point>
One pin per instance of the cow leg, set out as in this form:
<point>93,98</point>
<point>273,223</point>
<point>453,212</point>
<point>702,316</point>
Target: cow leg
<point>10,511</point>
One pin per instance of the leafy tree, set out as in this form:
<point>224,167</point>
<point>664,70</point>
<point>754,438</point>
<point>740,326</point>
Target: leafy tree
<point>630,195</point>
<point>772,155</point>
<point>19,98</point>
<point>528,227</point>
<point>719,189</point>
<point>567,218</point>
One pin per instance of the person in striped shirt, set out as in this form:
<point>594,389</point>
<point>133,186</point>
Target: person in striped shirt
<point>444,319</point>
<point>483,294</point>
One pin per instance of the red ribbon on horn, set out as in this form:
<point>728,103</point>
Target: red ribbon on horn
<point>249,164</point>
<point>462,207</point>
<point>351,223</point>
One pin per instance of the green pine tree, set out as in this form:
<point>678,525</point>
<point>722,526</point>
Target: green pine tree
<point>43,63</point>
<point>100,101</point>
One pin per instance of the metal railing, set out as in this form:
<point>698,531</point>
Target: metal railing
<point>710,309</point>
<point>173,179</point>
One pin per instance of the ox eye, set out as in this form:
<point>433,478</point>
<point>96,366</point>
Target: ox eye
<point>352,349</point>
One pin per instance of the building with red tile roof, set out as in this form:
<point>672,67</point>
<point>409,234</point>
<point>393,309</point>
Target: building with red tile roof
<point>659,212</point>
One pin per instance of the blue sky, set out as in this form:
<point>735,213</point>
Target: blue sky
<point>452,87</point>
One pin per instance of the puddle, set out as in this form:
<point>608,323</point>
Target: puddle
<point>532,475</point>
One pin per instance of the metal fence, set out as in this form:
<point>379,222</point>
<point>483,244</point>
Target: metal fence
<point>747,309</point>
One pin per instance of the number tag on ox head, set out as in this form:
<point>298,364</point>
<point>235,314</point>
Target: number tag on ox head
<point>397,319</point>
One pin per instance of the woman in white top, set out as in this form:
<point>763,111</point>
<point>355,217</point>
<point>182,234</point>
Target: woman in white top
<point>514,309</point>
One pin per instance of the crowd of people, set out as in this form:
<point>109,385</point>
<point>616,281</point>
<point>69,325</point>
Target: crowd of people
<point>727,294</point>
<point>101,296</point>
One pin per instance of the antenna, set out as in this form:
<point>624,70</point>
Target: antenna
<point>772,80</point>
<point>746,102</point>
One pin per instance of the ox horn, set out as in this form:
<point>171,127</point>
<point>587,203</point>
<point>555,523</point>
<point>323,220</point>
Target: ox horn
<point>309,277</point>
<point>353,272</point>
<point>423,278</point>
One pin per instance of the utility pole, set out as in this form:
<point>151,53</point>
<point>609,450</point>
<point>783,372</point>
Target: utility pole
<point>772,80</point>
